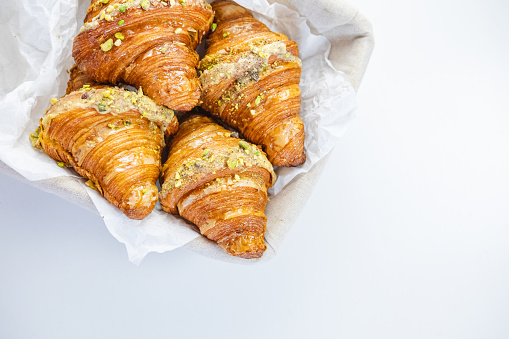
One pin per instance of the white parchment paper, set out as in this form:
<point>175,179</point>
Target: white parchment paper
<point>37,40</point>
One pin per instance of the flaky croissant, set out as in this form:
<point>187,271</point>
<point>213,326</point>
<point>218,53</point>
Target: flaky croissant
<point>250,78</point>
<point>113,138</point>
<point>219,183</point>
<point>145,43</point>
<point>77,79</point>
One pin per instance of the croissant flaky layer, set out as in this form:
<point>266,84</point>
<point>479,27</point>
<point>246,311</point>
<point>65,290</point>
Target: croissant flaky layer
<point>147,43</point>
<point>113,138</point>
<point>250,78</point>
<point>219,183</point>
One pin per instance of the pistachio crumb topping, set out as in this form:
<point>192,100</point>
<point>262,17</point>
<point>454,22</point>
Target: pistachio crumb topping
<point>121,22</point>
<point>231,163</point>
<point>206,153</point>
<point>107,45</point>
<point>53,101</point>
<point>119,35</point>
<point>243,144</point>
<point>145,4</point>
<point>91,184</point>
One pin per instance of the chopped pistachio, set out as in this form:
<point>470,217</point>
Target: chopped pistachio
<point>163,49</point>
<point>248,105</point>
<point>61,164</point>
<point>86,86</point>
<point>118,42</point>
<point>206,153</point>
<point>106,93</point>
<point>237,178</point>
<point>145,4</point>
<point>111,126</point>
<point>121,22</point>
<point>225,35</point>
<point>218,180</point>
<point>101,15</point>
<point>127,123</point>
<point>101,107</point>
<point>258,99</point>
<point>219,102</point>
<point>53,101</point>
<point>110,9</point>
<point>232,163</point>
<point>243,144</point>
<point>213,27</point>
<point>107,45</point>
<point>104,1</point>
<point>257,152</point>
<point>119,35</point>
<point>140,92</point>
<point>91,184</point>
<point>183,3</point>
<point>122,8</point>
<point>144,191</point>
<point>108,17</point>
<point>212,158</point>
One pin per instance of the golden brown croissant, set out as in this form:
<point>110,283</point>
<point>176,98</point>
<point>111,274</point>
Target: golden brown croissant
<point>250,78</point>
<point>77,79</point>
<point>147,43</point>
<point>219,183</point>
<point>113,138</point>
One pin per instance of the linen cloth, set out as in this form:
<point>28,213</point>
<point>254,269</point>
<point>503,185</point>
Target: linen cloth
<point>352,42</point>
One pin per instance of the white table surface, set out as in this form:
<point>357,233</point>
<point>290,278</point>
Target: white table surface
<point>405,236</point>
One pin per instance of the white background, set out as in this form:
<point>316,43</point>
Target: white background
<point>405,236</point>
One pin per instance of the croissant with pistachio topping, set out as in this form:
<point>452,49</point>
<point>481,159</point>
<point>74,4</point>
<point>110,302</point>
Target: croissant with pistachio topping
<point>147,43</point>
<point>219,183</point>
<point>250,78</point>
<point>113,138</point>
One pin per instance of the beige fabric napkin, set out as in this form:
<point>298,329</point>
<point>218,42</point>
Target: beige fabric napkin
<point>352,43</point>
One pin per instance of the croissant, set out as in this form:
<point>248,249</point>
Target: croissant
<point>78,79</point>
<point>220,184</point>
<point>112,137</point>
<point>145,43</point>
<point>250,78</point>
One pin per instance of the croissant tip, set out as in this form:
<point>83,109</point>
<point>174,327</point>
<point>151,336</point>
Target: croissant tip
<point>246,245</point>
